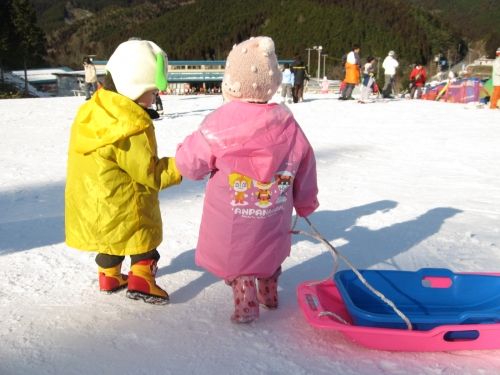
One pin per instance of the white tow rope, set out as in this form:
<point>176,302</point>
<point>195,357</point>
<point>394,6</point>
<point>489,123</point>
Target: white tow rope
<point>336,253</point>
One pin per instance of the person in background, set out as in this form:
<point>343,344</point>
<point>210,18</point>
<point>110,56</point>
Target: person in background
<point>390,65</point>
<point>114,174</point>
<point>287,83</point>
<point>451,76</point>
<point>325,85</point>
<point>417,80</point>
<point>496,81</point>
<point>300,73</point>
<point>261,167</point>
<point>90,77</point>
<point>352,72</point>
<point>159,104</point>
<point>367,79</point>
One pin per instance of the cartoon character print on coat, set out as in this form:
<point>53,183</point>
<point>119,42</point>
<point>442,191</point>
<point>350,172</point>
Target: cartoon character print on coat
<point>240,184</point>
<point>284,180</point>
<point>263,192</point>
<point>268,196</point>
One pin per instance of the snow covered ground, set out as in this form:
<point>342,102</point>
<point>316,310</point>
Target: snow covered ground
<point>403,185</point>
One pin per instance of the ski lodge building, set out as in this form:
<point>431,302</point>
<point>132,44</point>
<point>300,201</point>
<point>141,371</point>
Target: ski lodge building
<point>184,77</point>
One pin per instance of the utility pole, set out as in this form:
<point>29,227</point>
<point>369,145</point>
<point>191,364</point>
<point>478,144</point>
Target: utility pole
<point>308,58</point>
<point>319,58</point>
<point>378,66</point>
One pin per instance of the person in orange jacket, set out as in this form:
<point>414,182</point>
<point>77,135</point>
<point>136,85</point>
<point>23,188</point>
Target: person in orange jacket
<point>352,73</point>
<point>417,80</point>
<point>496,81</point>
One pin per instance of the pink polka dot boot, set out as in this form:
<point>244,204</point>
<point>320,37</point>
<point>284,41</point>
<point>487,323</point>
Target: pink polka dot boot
<point>246,305</point>
<point>268,291</point>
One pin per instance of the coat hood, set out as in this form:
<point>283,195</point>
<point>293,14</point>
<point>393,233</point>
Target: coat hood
<point>249,138</point>
<point>106,118</point>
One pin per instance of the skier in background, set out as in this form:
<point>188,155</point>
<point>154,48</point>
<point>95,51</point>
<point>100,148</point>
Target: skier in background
<point>390,65</point>
<point>352,73</point>
<point>368,79</point>
<point>417,80</point>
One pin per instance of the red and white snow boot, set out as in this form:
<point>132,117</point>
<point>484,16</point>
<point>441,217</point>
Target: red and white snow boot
<point>268,291</point>
<point>246,306</point>
<point>142,284</point>
<point>111,280</point>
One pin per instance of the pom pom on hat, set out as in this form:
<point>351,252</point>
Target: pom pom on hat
<point>138,66</point>
<point>252,72</point>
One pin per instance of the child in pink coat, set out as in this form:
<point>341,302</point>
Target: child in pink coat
<point>261,167</point>
<point>325,86</point>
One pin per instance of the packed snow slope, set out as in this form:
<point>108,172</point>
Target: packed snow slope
<point>403,185</point>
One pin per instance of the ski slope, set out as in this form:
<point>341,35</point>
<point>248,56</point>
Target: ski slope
<point>404,185</point>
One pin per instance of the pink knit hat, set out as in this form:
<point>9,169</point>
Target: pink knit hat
<point>252,72</point>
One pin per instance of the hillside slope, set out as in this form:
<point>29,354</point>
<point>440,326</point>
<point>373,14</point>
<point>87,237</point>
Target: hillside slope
<point>207,29</point>
<point>477,19</point>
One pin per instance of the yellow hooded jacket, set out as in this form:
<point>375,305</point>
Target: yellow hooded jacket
<point>113,178</point>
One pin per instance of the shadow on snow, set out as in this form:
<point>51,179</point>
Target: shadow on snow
<point>364,248</point>
<point>31,227</point>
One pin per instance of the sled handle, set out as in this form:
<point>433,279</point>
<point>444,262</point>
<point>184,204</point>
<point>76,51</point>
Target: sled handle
<point>436,272</point>
<point>313,310</point>
<point>461,336</point>
<point>436,278</point>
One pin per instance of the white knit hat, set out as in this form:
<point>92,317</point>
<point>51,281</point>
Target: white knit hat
<point>252,72</point>
<point>391,53</point>
<point>138,66</point>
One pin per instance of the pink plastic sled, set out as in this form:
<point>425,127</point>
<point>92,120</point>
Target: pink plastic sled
<point>325,297</point>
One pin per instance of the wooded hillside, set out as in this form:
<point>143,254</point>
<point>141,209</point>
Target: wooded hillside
<point>207,29</point>
<point>479,20</point>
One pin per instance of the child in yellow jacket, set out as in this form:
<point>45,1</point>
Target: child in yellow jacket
<point>114,173</point>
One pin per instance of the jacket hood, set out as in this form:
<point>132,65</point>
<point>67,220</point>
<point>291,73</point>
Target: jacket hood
<point>249,138</point>
<point>106,118</point>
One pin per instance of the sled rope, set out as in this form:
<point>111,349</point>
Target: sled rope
<point>336,253</point>
<point>323,313</point>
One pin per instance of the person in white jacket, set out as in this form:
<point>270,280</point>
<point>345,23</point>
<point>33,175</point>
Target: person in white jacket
<point>287,83</point>
<point>90,77</point>
<point>390,64</point>
<point>496,81</point>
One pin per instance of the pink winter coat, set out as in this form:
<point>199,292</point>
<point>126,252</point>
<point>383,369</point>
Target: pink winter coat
<point>325,86</point>
<point>261,166</point>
